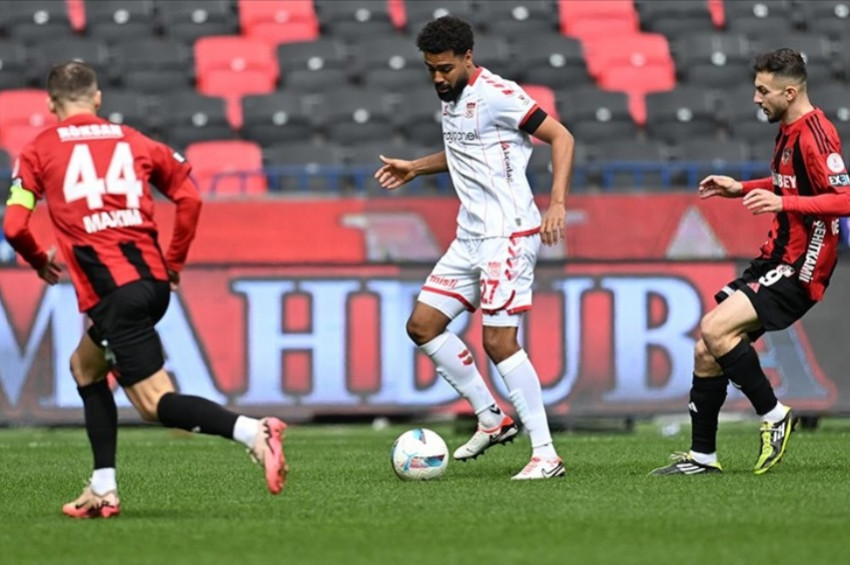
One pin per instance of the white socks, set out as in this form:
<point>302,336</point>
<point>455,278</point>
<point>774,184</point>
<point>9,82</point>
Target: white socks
<point>777,413</point>
<point>703,458</point>
<point>455,364</point>
<point>245,430</point>
<point>103,480</point>
<point>527,397</point>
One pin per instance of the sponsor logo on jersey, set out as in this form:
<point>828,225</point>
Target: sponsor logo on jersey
<point>835,163</point>
<point>506,157</point>
<point>785,181</point>
<point>839,180</point>
<point>100,221</point>
<point>93,131</point>
<point>442,281</point>
<point>460,136</point>
<point>813,251</point>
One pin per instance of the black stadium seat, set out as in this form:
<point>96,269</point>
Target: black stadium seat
<point>594,115</point>
<point>187,20</point>
<point>33,21</point>
<point>680,114</point>
<point>420,12</point>
<point>355,115</point>
<point>128,107</point>
<point>154,65</point>
<point>52,52</point>
<point>514,19</point>
<point>354,21</point>
<point>120,20</point>
<point>675,18</point>
<point>187,117</point>
<point>393,63</point>
<point>556,61</point>
<point>276,118</point>
<point>14,65</point>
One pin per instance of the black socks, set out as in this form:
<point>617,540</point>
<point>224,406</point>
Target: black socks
<point>101,422</point>
<point>195,414</point>
<point>742,367</point>
<point>707,397</point>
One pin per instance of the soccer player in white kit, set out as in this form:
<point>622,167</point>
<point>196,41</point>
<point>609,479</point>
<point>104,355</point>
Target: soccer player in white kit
<point>487,123</point>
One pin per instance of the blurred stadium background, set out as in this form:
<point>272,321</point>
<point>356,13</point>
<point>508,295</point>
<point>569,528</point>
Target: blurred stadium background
<point>304,271</point>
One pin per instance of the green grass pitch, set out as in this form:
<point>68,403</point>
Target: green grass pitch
<point>196,499</point>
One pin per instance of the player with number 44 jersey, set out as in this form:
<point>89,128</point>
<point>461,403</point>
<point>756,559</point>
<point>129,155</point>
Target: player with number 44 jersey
<point>94,176</point>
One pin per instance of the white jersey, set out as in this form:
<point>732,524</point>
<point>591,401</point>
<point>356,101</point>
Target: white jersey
<point>487,155</point>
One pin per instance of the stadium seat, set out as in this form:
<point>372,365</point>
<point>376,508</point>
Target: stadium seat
<point>626,164</point>
<point>14,138</point>
<point>313,56</point>
<point>355,115</point>
<point>495,54</point>
<point>585,19</point>
<point>593,115</point>
<point>47,53</point>
<point>187,117</point>
<point>826,17</point>
<point>35,20</point>
<point>637,82</point>
<point>557,62</point>
<point>232,86</point>
<point>353,21</point>
<point>834,100</point>
<point>707,155</point>
<point>318,81</point>
<point>214,162</point>
<point>188,20</point>
<point>234,53</point>
<point>120,20</point>
<point>128,107</point>
<point>419,117</point>
<point>298,166</point>
<point>420,12</point>
<point>24,107</point>
<point>154,65</point>
<point>393,63</point>
<point>14,65</point>
<point>680,114</point>
<point>639,50</point>
<point>513,19</point>
<point>276,118</point>
<point>278,21</point>
<point>712,59</point>
<point>675,18</point>
<point>744,120</point>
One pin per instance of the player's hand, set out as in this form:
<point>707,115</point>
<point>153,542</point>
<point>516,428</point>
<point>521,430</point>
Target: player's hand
<point>173,279</point>
<point>552,229</point>
<point>719,185</point>
<point>49,272</point>
<point>761,201</point>
<point>394,173</point>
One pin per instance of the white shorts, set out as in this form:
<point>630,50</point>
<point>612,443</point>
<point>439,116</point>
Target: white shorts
<point>494,273</point>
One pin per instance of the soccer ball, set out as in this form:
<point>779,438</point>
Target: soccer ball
<point>419,455</point>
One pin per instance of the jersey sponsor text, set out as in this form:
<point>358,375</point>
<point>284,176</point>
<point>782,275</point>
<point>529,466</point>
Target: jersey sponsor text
<point>100,221</point>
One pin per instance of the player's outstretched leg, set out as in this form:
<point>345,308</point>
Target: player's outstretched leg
<point>483,438</point>
<point>92,505</point>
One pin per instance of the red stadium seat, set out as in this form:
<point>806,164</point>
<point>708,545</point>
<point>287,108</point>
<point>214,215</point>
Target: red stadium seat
<point>235,53</point>
<point>23,113</point>
<point>227,168</point>
<point>590,28</point>
<point>573,12</point>
<point>279,21</point>
<point>232,86</point>
<point>637,82</point>
<point>636,50</point>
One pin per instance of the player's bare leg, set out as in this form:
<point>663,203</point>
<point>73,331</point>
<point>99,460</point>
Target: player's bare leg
<point>427,328</point>
<point>527,396</point>
<point>89,369</point>
<point>156,400</point>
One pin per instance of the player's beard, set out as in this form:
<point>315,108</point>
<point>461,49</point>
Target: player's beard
<point>454,91</point>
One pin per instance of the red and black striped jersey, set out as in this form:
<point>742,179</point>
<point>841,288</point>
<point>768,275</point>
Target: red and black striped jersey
<point>807,163</point>
<point>94,176</point>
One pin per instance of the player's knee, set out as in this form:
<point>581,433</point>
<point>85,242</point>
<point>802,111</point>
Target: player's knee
<point>82,375</point>
<point>499,346</point>
<point>148,410</point>
<point>420,332</point>
<point>712,334</point>
<point>701,353</point>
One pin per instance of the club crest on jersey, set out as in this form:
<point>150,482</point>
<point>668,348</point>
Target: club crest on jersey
<point>786,155</point>
<point>470,109</point>
<point>494,269</point>
<point>835,163</point>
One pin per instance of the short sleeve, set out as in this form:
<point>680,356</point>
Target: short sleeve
<point>824,165</point>
<point>170,168</point>
<point>511,105</point>
<point>26,172</point>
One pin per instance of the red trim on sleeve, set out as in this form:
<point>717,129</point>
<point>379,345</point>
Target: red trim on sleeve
<point>749,185</point>
<point>450,294</point>
<point>528,115</point>
<point>829,204</point>
<point>19,236</point>
<point>475,75</point>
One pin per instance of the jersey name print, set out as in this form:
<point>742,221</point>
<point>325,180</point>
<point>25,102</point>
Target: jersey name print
<point>487,155</point>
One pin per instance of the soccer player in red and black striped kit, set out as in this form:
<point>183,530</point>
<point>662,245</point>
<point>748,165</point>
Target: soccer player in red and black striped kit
<point>94,176</point>
<point>808,190</point>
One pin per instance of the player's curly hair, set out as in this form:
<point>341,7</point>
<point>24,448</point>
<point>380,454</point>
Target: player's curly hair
<point>447,33</point>
<point>783,62</point>
<point>71,82</point>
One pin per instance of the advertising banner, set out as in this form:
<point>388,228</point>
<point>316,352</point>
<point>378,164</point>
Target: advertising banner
<point>318,328</point>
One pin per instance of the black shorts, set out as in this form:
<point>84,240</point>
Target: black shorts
<point>774,291</point>
<point>123,325</point>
